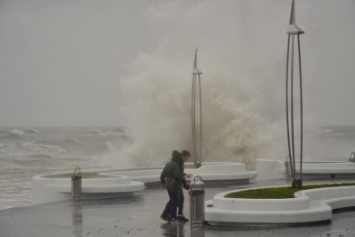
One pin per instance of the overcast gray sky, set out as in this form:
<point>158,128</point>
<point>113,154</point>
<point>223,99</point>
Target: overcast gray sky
<point>61,62</point>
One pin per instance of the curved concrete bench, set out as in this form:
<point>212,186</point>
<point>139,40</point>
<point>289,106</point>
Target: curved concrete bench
<point>335,197</point>
<point>50,188</point>
<point>245,204</point>
<point>270,169</point>
<point>328,168</point>
<point>209,171</point>
<point>276,169</point>
<point>145,176</point>
<point>217,171</point>
<point>308,206</point>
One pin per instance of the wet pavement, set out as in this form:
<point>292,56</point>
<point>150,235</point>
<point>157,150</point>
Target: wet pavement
<point>139,216</point>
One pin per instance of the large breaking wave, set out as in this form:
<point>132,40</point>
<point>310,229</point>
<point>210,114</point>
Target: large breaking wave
<point>242,56</point>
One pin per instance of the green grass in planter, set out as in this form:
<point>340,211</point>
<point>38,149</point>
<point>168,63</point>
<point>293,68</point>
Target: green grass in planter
<point>278,192</point>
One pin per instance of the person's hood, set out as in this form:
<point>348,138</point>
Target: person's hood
<point>177,157</point>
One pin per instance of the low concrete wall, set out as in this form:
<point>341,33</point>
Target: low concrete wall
<point>327,193</point>
<point>328,168</point>
<point>222,171</point>
<point>245,204</point>
<point>208,171</point>
<point>335,197</point>
<point>270,169</point>
<point>314,205</point>
<point>49,188</point>
<point>277,169</point>
<point>145,176</point>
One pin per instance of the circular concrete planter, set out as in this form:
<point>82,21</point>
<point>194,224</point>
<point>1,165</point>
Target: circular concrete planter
<point>245,204</point>
<point>57,187</point>
<point>308,206</point>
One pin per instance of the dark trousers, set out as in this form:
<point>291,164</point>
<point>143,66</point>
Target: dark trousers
<point>181,202</point>
<point>172,205</point>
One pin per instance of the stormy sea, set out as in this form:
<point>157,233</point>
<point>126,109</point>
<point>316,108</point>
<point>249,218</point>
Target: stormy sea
<point>25,152</point>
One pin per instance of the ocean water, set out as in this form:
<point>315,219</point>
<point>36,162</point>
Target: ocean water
<point>27,152</point>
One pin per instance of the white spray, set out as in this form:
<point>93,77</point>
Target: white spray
<point>242,86</point>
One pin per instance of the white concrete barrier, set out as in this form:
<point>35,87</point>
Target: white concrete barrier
<point>313,205</point>
<point>223,171</point>
<point>246,204</point>
<point>48,188</point>
<point>328,168</point>
<point>335,197</point>
<point>53,188</point>
<point>208,171</point>
<point>277,169</point>
<point>270,169</point>
<point>145,176</point>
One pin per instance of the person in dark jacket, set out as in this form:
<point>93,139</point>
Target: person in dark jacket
<point>171,179</point>
<point>181,217</point>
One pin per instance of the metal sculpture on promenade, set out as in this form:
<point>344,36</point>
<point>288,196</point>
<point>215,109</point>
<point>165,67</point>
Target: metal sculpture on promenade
<point>294,33</point>
<point>196,121</point>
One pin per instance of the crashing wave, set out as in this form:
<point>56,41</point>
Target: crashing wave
<point>16,132</point>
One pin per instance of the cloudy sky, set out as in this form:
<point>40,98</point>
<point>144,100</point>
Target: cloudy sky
<point>62,62</point>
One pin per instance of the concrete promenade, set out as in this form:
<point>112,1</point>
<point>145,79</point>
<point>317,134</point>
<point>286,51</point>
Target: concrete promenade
<point>139,217</point>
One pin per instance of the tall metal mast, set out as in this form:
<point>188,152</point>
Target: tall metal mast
<point>293,32</point>
<point>196,122</point>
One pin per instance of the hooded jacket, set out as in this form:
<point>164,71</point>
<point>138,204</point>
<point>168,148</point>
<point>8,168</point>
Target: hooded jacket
<point>172,174</point>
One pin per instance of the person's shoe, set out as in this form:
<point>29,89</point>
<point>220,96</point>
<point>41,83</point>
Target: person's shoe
<point>172,219</point>
<point>182,218</point>
<point>165,218</point>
